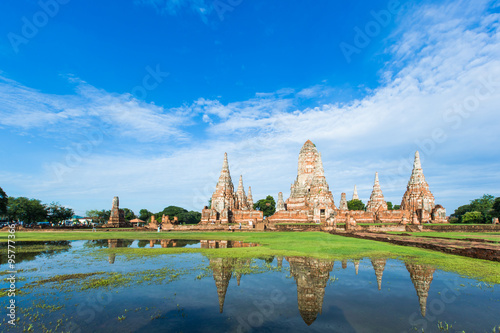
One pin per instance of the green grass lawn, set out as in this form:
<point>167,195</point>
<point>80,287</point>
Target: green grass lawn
<point>312,244</point>
<point>493,236</point>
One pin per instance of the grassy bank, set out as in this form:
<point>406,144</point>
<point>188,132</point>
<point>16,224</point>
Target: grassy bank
<point>312,244</point>
<point>493,236</point>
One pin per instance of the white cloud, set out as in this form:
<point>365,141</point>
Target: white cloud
<point>25,108</point>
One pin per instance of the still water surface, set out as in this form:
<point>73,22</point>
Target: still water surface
<point>76,286</point>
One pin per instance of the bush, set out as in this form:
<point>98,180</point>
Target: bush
<point>472,217</point>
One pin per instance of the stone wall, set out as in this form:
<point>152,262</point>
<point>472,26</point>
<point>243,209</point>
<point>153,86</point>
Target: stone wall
<point>296,227</point>
<point>288,217</point>
<point>244,216</point>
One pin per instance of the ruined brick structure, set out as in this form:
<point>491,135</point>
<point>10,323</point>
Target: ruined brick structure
<point>310,197</point>
<point>377,202</point>
<point>343,202</point>
<point>280,205</point>
<point>311,200</point>
<point>117,217</point>
<point>355,193</point>
<point>418,199</point>
<point>229,206</point>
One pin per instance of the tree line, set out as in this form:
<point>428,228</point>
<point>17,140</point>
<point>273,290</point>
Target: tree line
<point>480,210</point>
<point>183,215</point>
<point>32,210</point>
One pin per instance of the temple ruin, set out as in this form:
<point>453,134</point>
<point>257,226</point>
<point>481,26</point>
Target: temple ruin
<point>117,217</point>
<point>418,199</point>
<point>228,206</point>
<point>311,200</point>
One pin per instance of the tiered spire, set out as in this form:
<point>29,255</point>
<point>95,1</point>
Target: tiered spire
<point>343,202</point>
<point>250,198</point>
<point>310,192</point>
<point>417,174</point>
<point>377,201</point>
<point>417,195</point>
<point>241,196</point>
<point>223,197</point>
<point>355,194</point>
<point>280,205</point>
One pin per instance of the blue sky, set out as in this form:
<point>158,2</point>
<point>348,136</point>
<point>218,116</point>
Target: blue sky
<point>141,98</point>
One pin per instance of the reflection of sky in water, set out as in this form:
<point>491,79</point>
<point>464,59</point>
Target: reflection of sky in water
<point>302,291</point>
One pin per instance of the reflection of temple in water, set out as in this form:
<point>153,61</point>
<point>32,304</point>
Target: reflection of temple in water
<point>421,276</point>
<point>113,243</point>
<point>224,244</point>
<point>311,276</point>
<point>223,270</point>
<point>379,266</point>
<point>356,266</point>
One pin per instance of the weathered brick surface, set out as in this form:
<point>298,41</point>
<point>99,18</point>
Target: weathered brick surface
<point>419,200</point>
<point>377,202</point>
<point>310,193</point>
<point>229,206</point>
<point>117,218</point>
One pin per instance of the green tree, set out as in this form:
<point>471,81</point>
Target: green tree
<point>57,213</point>
<point>484,205</point>
<point>27,210</point>
<point>190,217</point>
<point>389,205</point>
<point>460,212</point>
<point>396,207</point>
<point>144,214</point>
<point>183,215</point>
<point>93,214</point>
<point>355,204</point>
<point>172,211</point>
<point>99,216</point>
<point>209,203</point>
<point>129,214</point>
<point>496,208</point>
<point>104,215</point>
<point>472,217</point>
<point>267,206</point>
<point>4,200</point>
